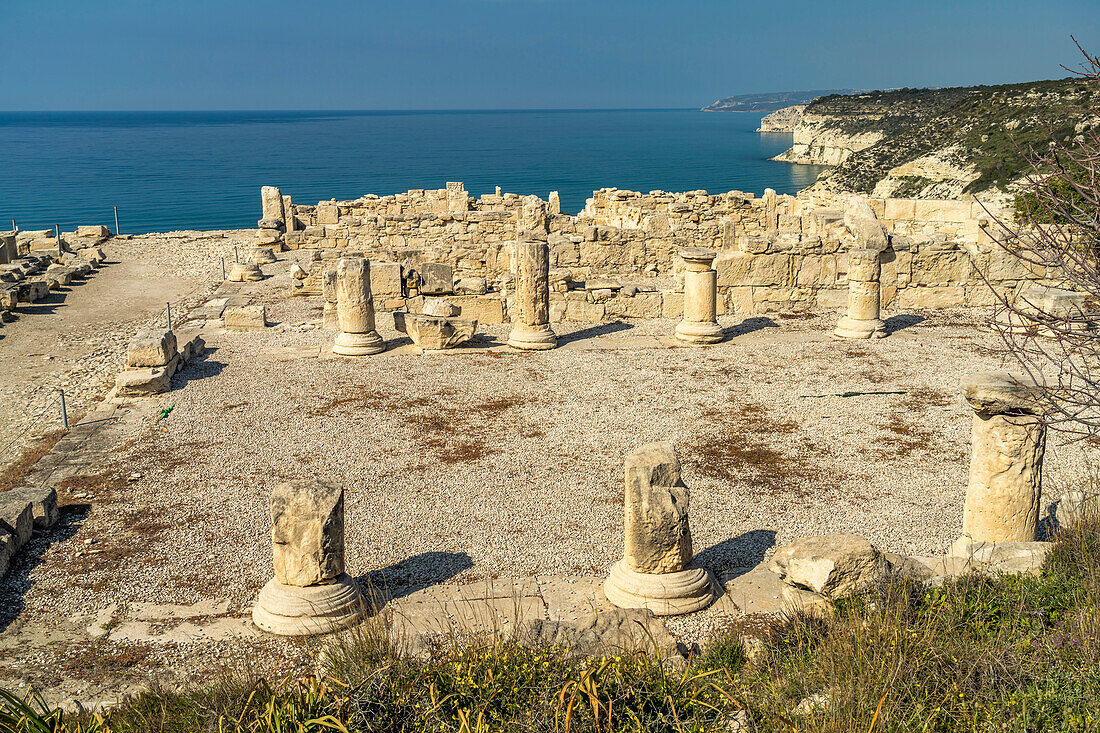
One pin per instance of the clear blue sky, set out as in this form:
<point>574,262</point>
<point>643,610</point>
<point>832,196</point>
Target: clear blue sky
<point>419,54</point>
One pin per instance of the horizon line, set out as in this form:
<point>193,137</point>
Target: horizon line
<point>353,111</point>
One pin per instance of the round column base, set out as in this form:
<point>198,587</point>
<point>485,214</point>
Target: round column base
<point>358,344</point>
<point>288,610</point>
<point>533,340</point>
<point>850,328</point>
<point>699,332</point>
<point>666,594</point>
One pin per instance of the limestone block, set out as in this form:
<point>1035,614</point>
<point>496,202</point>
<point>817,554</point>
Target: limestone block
<point>1015,558</point>
<point>583,311</point>
<point>434,333</point>
<point>864,265</point>
<point>437,278</point>
<point>817,271</point>
<point>925,297</point>
<point>272,202</point>
<point>42,501</point>
<point>386,280</point>
<point>307,532</point>
<point>1075,506</point>
<point>92,254</point>
<point>833,565</point>
<point>142,382</point>
<point>672,305</point>
<point>439,307</point>
<point>657,535</point>
<point>32,291</point>
<point>151,348</point>
<point>642,305</point>
<point>937,266</point>
<point>741,268</point>
<point>245,318</point>
<point>327,213</point>
<point>16,518</point>
<point>481,308</point>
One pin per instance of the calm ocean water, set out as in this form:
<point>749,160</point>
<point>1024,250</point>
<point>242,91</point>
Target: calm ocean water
<point>203,170</point>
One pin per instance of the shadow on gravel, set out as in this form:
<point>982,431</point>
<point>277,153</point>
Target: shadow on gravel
<point>901,322</point>
<point>14,585</point>
<point>603,329</point>
<point>749,325</point>
<point>198,369</point>
<point>412,574</point>
<point>49,304</point>
<point>737,555</point>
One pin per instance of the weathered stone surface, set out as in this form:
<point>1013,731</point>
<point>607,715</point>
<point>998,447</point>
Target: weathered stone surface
<point>1075,506</point>
<point>151,348</point>
<point>143,381</point>
<point>245,318</point>
<point>471,286</point>
<point>440,307</point>
<point>272,201</point>
<point>1006,460</point>
<point>832,565</point>
<point>7,550</point>
<point>386,280</point>
<point>290,610</point>
<point>245,272</point>
<point>1016,558</point>
<point>307,532</point>
<point>865,226</point>
<point>42,501</point>
<point>298,272</point>
<point>261,256</point>
<point>657,536</point>
<point>605,631</point>
<point>434,333</point>
<point>437,278</point>
<point>16,517</point>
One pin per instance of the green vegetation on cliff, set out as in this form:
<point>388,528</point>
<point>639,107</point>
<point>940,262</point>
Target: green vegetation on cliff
<point>978,128</point>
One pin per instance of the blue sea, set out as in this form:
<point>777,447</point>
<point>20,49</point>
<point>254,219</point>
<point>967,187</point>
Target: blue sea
<point>203,170</point>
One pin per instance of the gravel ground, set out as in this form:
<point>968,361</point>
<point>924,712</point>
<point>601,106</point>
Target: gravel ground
<point>484,465</point>
<point>488,464</point>
<point>76,340</point>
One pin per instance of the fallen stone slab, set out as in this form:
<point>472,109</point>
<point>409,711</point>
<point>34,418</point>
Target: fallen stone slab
<point>32,291</point>
<point>42,501</point>
<point>832,565</point>
<point>245,318</point>
<point>17,518</point>
<point>143,381</point>
<point>151,348</point>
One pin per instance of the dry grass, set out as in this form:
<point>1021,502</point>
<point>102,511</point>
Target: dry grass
<point>744,443</point>
<point>14,474</point>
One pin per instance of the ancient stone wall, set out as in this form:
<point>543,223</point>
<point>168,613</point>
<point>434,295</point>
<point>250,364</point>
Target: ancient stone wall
<point>774,252</point>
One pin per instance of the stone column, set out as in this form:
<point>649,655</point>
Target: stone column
<point>355,310</point>
<point>657,546</point>
<point>700,325</point>
<point>862,320</point>
<point>1007,442</point>
<point>310,593</point>
<point>328,291</point>
<point>531,323</point>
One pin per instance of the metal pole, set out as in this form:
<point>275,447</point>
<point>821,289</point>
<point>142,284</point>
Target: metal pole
<point>169,316</point>
<point>14,228</point>
<point>223,268</point>
<point>57,233</point>
<point>116,222</point>
<point>64,412</point>
<point>235,255</point>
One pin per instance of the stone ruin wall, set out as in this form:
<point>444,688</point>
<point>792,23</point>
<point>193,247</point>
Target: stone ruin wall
<point>775,252</point>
